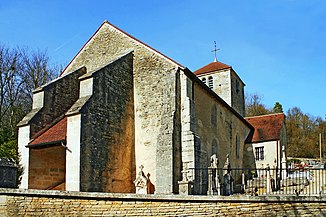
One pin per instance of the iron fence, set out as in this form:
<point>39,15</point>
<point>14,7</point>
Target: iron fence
<point>268,181</point>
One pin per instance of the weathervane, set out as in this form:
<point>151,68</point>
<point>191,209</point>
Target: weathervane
<point>215,50</point>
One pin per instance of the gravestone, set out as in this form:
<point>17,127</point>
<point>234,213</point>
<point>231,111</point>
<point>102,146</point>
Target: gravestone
<point>227,178</point>
<point>8,173</point>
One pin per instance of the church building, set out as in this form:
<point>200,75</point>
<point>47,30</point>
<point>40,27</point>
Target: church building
<point>121,108</point>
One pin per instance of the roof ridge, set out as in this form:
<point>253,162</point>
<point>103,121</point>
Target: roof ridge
<point>266,115</point>
<point>128,35</point>
<point>142,43</point>
<point>211,67</point>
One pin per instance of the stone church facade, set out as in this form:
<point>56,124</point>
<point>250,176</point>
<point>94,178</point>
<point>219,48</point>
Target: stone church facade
<point>120,105</point>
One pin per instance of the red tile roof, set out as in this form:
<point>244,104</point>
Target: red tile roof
<point>267,127</point>
<point>214,66</point>
<point>54,134</point>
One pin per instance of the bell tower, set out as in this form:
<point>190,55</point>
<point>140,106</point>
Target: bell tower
<point>225,82</point>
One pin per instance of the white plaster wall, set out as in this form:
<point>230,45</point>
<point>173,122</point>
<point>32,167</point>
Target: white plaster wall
<point>86,87</point>
<point>73,153</point>
<point>38,100</point>
<point>270,154</point>
<point>145,144</point>
<point>23,139</point>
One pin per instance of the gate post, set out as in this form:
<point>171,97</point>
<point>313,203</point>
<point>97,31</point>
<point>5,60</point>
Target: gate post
<point>210,181</point>
<point>268,180</point>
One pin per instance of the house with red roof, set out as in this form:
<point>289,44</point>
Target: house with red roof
<point>268,140</point>
<point>121,108</point>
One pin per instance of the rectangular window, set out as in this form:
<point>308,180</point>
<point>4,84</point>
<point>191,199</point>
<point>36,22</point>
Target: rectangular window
<point>259,153</point>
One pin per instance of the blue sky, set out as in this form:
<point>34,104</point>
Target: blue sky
<point>277,47</point>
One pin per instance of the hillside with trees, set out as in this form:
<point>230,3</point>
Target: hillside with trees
<point>302,129</point>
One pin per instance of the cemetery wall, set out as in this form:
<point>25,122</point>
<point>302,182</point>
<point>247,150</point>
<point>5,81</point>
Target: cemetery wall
<point>17,202</point>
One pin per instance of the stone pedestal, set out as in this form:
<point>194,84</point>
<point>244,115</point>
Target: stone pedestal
<point>185,187</point>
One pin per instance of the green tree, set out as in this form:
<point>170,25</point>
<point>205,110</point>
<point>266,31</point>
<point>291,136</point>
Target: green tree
<point>21,71</point>
<point>303,133</point>
<point>278,108</point>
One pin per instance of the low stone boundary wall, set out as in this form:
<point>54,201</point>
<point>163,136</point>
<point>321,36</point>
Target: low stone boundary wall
<point>16,202</point>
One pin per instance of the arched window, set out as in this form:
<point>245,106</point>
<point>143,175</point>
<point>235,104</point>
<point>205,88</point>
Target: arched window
<point>203,80</point>
<point>237,145</point>
<point>210,82</point>
<point>214,116</point>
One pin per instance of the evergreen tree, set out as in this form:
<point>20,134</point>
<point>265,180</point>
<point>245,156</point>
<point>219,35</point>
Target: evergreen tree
<point>278,108</point>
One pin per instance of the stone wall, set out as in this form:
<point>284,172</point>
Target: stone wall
<point>59,95</point>
<point>58,203</point>
<point>47,169</point>
<point>237,93</point>
<point>107,130</point>
<point>50,102</point>
<point>229,86</point>
<point>155,93</point>
<point>223,127</point>
<point>219,130</point>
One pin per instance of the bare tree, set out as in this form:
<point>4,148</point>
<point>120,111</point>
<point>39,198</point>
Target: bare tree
<point>35,71</point>
<point>254,105</point>
<point>10,84</point>
<point>21,71</point>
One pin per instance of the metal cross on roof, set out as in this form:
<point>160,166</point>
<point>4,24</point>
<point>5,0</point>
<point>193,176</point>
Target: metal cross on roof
<point>215,50</point>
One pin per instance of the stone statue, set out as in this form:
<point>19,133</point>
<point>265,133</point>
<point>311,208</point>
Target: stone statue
<point>227,165</point>
<point>141,182</point>
<point>214,161</point>
<point>227,178</point>
<point>214,177</point>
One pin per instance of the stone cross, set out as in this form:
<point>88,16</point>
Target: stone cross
<point>141,167</point>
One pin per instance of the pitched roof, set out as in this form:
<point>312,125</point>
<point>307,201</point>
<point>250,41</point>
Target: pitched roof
<point>126,34</point>
<point>267,127</point>
<point>54,134</point>
<point>213,66</point>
